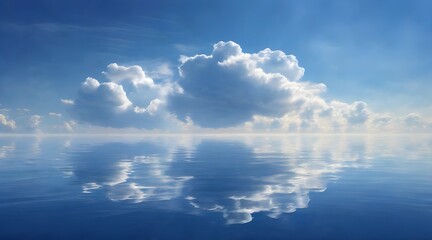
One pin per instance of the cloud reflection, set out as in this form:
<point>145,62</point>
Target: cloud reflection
<point>237,177</point>
<point>271,175</point>
<point>115,168</point>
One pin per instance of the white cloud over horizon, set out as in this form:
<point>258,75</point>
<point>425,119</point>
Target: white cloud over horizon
<point>227,90</point>
<point>229,87</point>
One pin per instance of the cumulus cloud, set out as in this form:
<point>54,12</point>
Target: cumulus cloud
<point>6,124</point>
<point>98,103</point>
<point>356,113</point>
<point>129,99</point>
<point>414,119</point>
<point>415,122</point>
<point>100,100</point>
<point>334,116</point>
<point>229,87</point>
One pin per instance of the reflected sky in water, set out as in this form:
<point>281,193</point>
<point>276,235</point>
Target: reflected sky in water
<point>216,187</point>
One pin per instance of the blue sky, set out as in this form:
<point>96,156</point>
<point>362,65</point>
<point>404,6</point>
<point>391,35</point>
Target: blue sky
<point>376,52</point>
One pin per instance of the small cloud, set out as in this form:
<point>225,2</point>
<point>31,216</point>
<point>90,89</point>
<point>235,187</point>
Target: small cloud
<point>54,114</point>
<point>35,121</point>
<point>66,126</point>
<point>357,113</point>
<point>67,101</point>
<point>139,109</point>
<point>154,105</point>
<point>413,119</point>
<point>6,123</point>
<point>69,125</point>
<point>415,122</point>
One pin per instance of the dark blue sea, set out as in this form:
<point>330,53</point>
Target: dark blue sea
<point>216,187</point>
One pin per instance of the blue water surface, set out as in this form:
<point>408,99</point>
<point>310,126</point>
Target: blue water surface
<point>216,187</point>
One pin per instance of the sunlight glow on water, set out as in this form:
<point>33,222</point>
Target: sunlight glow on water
<point>204,187</point>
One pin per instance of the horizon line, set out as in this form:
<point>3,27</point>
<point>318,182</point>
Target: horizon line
<point>204,134</point>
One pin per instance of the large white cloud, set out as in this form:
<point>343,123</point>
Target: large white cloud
<point>229,87</point>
